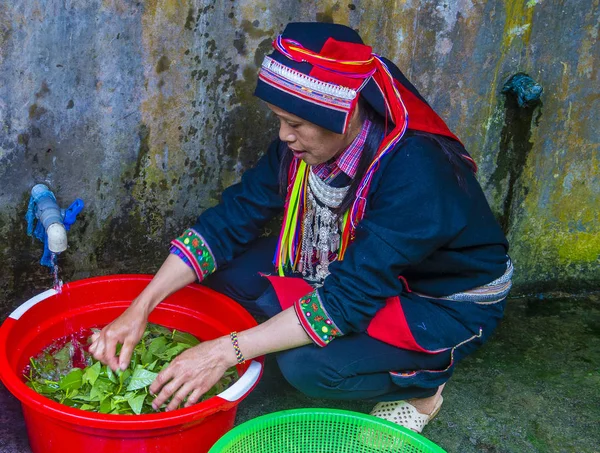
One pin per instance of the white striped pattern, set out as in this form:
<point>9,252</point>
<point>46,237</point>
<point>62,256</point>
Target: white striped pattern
<point>307,81</point>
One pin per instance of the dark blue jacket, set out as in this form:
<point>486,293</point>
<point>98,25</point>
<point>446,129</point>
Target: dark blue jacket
<point>419,224</point>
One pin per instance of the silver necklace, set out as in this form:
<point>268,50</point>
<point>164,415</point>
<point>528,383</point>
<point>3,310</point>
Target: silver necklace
<point>320,228</point>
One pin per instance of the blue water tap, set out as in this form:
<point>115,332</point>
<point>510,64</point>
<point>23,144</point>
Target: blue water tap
<point>52,222</point>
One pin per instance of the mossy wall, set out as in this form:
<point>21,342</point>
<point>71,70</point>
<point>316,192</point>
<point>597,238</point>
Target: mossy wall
<point>145,111</point>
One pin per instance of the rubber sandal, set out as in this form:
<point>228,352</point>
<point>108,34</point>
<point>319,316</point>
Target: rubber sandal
<point>405,414</point>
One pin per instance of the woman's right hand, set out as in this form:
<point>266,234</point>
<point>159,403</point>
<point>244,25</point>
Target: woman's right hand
<point>126,330</point>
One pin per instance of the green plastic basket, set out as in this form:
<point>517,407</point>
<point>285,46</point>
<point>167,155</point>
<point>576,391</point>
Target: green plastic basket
<point>322,431</point>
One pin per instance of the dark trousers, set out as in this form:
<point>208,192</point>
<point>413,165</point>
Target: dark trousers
<point>353,367</point>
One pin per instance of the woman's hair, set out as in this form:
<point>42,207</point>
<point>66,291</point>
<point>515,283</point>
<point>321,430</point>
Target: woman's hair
<point>451,148</point>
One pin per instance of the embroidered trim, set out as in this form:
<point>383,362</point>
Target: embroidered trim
<point>305,81</point>
<point>307,94</point>
<point>315,320</point>
<point>407,374</point>
<point>490,293</point>
<point>197,251</point>
<point>175,251</point>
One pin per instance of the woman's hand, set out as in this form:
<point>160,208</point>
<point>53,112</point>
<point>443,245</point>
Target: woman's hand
<point>192,373</point>
<point>126,330</point>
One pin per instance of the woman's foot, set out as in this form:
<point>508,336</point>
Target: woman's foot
<point>413,414</point>
<point>428,405</point>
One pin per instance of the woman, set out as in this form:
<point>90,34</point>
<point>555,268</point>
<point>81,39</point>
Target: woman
<point>387,246</point>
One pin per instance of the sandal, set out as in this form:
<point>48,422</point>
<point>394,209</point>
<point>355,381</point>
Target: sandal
<point>405,414</point>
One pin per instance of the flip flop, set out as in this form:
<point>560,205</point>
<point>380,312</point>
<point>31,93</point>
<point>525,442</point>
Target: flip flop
<point>405,414</point>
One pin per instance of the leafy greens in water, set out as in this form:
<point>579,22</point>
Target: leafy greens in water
<point>87,384</point>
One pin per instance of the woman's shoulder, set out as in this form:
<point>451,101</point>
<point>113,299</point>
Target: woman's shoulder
<point>418,156</point>
<point>417,147</point>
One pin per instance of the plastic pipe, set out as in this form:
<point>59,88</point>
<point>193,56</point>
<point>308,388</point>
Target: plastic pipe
<point>48,212</point>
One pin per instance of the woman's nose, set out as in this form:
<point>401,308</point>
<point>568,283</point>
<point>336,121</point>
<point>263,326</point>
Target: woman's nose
<point>286,133</point>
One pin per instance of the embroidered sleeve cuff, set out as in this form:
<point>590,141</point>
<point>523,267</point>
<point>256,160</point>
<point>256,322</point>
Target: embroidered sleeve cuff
<point>175,251</point>
<point>315,320</point>
<point>192,246</point>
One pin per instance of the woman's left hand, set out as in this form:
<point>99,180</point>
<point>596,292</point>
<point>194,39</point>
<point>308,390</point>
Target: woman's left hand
<point>192,373</point>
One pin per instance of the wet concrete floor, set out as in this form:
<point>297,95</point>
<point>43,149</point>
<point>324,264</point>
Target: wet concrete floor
<point>534,388</point>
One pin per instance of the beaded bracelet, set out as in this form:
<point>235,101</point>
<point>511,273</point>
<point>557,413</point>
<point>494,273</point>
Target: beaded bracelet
<point>236,347</point>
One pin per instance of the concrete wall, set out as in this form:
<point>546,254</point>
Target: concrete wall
<point>144,109</point>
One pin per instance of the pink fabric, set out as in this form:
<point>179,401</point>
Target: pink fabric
<point>347,161</point>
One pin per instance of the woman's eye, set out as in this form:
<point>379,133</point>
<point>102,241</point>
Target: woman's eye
<point>294,125</point>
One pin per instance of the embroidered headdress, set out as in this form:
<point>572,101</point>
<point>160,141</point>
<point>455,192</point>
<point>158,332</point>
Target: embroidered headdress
<point>317,72</point>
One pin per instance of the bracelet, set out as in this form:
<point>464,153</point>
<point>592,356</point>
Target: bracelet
<point>236,347</point>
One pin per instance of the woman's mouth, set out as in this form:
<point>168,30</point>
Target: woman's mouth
<point>297,153</point>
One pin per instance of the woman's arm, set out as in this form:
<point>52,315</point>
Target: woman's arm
<point>414,207</point>
<point>220,233</point>
<point>195,371</point>
<point>245,208</point>
<point>129,327</point>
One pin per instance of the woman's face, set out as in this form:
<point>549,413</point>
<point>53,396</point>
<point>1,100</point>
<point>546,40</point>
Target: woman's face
<point>311,143</point>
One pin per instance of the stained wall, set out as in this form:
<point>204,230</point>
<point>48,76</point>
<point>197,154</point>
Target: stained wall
<point>145,111</point>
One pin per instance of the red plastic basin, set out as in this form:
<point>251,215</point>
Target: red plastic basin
<point>53,427</point>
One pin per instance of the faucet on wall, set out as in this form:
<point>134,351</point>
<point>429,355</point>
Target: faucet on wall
<point>523,105</point>
<point>53,222</point>
<point>525,90</point>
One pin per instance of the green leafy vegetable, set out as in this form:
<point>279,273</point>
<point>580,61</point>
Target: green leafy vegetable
<point>66,373</point>
<point>136,403</point>
<point>141,378</point>
<point>71,381</point>
<point>157,345</point>
<point>185,338</point>
<point>63,356</point>
<point>92,373</point>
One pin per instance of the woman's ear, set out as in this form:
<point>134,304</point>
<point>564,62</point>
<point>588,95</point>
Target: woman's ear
<point>356,122</point>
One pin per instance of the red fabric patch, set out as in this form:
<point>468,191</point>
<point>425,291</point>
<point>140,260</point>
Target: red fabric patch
<point>389,324</point>
<point>289,289</point>
<point>340,50</point>
<point>421,117</point>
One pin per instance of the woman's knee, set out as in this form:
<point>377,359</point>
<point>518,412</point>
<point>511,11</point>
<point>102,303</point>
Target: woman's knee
<point>305,369</point>
<point>237,283</point>
<point>241,279</point>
